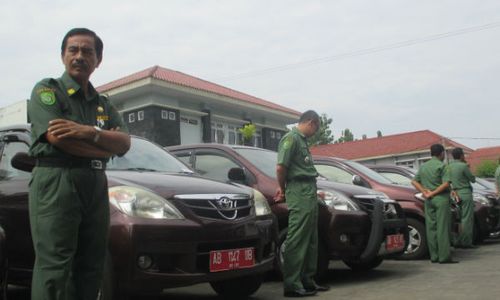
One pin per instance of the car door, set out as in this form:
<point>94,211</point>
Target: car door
<point>14,215</point>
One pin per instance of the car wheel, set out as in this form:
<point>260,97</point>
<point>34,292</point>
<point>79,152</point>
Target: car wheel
<point>417,244</point>
<point>356,265</point>
<point>323,258</point>
<point>477,237</point>
<point>237,288</point>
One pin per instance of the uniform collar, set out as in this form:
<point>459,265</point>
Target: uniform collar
<point>296,130</point>
<point>73,88</point>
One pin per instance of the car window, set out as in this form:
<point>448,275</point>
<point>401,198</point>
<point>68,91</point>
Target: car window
<point>396,178</point>
<point>145,155</point>
<point>367,171</point>
<point>264,160</point>
<point>334,173</point>
<point>7,171</point>
<point>214,166</point>
<point>185,158</point>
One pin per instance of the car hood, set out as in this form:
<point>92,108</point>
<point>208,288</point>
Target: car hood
<point>167,184</point>
<point>348,189</point>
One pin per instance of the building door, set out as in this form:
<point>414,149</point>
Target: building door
<point>191,132</point>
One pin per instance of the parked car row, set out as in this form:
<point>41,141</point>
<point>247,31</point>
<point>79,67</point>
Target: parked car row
<point>357,225</point>
<point>486,203</point>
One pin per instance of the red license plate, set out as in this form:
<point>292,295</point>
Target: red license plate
<point>395,242</point>
<point>224,260</point>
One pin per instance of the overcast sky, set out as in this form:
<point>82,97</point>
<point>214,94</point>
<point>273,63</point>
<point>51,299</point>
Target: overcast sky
<point>368,65</point>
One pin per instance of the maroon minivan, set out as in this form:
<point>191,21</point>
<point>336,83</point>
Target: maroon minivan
<point>169,227</point>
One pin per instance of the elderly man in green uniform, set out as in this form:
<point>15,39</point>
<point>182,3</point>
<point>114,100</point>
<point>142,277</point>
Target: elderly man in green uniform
<point>75,131</point>
<point>433,181</point>
<point>461,178</point>
<point>297,184</point>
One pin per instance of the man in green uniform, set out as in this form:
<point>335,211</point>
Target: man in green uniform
<point>461,178</point>
<point>432,180</point>
<point>297,184</point>
<point>74,131</point>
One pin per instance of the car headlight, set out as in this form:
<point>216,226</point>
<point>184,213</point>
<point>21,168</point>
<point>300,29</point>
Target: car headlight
<point>262,208</point>
<point>480,199</point>
<point>337,200</point>
<point>137,202</point>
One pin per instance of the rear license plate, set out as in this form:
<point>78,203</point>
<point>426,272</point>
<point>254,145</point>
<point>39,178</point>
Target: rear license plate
<point>394,242</point>
<point>224,260</point>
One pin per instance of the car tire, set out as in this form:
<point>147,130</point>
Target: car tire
<point>323,258</point>
<point>238,288</point>
<point>477,237</point>
<point>417,244</point>
<point>359,266</point>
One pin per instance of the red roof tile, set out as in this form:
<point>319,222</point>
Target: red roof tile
<point>385,145</point>
<point>476,157</point>
<point>182,79</point>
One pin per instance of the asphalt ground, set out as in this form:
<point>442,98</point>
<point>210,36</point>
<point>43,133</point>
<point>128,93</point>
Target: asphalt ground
<point>477,276</point>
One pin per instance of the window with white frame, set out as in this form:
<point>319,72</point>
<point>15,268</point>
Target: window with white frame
<point>140,115</point>
<point>171,116</point>
<point>131,117</point>
<point>164,114</point>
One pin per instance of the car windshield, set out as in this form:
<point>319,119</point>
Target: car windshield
<point>368,172</point>
<point>147,156</point>
<point>484,184</point>
<point>264,160</point>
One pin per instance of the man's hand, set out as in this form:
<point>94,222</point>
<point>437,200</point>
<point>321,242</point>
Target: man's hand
<point>279,196</point>
<point>61,129</point>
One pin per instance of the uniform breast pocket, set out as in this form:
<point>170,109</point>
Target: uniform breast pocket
<point>306,155</point>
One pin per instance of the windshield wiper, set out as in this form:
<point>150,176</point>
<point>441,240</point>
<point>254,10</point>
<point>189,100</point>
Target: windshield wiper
<point>141,169</point>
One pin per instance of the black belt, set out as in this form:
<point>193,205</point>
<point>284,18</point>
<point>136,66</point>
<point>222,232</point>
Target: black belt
<point>303,179</point>
<point>53,162</point>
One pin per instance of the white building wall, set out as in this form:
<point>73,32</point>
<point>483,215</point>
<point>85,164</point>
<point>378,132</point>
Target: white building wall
<point>16,113</point>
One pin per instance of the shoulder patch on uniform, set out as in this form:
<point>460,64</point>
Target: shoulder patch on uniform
<point>288,142</point>
<point>47,96</point>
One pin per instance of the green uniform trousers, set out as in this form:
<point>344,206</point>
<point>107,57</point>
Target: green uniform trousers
<point>465,236</point>
<point>301,244</point>
<point>69,215</point>
<point>438,226</point>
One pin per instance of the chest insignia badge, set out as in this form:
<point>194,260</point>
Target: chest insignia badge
<point>71,91</point>
<point>100,109</point>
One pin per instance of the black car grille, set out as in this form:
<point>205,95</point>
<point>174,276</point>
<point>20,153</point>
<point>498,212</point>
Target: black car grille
<point>218,206</point>
<point>367,204</point>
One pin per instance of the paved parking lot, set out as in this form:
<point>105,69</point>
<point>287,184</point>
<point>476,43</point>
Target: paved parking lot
<point>477,276</point>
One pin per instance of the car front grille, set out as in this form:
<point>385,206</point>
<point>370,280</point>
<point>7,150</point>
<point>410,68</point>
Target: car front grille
<point>218,206</point>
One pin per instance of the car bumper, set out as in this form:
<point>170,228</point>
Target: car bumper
<point>180,251</point>
<point>488,219</point>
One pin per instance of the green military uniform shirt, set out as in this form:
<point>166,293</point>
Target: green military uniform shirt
<point>460,175</point>
<point>432,174</point>
<point>293,153</point>
<point>63,98</point>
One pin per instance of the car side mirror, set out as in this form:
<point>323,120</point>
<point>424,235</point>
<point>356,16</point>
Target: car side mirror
<point>236,174</point>
<point>356,180</point>
<point>22,161</point>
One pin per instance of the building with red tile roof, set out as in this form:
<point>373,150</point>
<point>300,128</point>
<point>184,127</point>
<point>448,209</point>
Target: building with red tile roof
<point>408,149</point>
<point>483,154</point>
<point>171,107</point>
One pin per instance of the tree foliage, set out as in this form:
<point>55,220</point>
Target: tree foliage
<point>486,168</point>
<point>324,135</point>
<point>347,136</point>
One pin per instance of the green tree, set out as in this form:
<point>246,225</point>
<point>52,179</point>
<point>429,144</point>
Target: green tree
<point>347,136</point>
<point>379,133</point>
<point>324,135</point>
<point>486,168</point>
<point>247,132</point>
